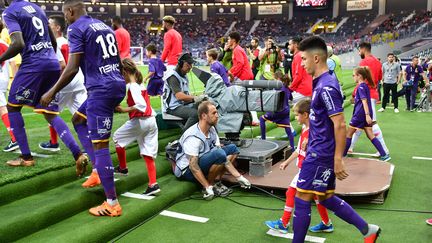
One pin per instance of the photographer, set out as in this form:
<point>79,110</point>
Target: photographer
<point>287,60</point>
<point>225,54</point>
<point>270,59</point>
<point>253,51</point>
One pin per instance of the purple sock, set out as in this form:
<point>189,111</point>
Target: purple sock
<point>263,128</point>
<point>17,125</point>
<point>347,146</point>
<point>66,136</point>
<point>290,137</point>
<point>378,146</point>
<point>302,218</point>
<point>344,211</point>
<point>83,136</point>
<point>105,169</point>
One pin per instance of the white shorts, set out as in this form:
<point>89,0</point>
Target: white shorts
<point>144,130</point>
<point>294,180</point>
<point>71,100</point>
<point>297,97</point>
<point>3,101</point>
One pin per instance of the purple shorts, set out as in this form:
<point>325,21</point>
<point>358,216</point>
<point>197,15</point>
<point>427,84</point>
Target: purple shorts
<point>99,113</point>
<point>359,123</point>
<point>281,119</point>
<point>317,179</point>
<point>28,88</point>
<point>155,87</point>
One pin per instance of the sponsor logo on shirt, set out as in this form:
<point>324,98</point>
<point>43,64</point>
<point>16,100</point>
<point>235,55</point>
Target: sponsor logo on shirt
<point>109,68</point>
<point>41,45</point>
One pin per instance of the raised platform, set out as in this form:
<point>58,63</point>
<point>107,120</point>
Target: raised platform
<point>368,180</point>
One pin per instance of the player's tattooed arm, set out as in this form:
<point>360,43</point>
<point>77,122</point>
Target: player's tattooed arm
<point>16,46</point>
<point>196,171</point>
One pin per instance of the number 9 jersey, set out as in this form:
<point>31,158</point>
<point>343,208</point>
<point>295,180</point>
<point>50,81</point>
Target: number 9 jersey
<point>100,61</point>
<point>27,18</point>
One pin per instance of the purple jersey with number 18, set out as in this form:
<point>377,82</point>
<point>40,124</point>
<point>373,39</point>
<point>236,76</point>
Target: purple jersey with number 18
<point>38,54</point>
<point>101,61</point>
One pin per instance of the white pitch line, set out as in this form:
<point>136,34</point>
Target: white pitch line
<point>137,196</point>
<point>184,216</point>
<point>291,236</point>
<point>364,154</point>
<point>421,158</point>
<point>115,179</point>
<point>34,154</point>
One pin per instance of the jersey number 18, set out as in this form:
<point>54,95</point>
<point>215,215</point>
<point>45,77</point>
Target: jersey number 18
<point>111,51</point>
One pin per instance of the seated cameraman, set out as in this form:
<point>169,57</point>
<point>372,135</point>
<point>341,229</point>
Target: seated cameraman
<point>200,157</point>
<point>270,59</point>
<point>177,100</point>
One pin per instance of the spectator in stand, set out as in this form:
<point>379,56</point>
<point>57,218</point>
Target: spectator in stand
<point>253,52</point>
<point>302,81</point>
<point>216,66</point>
<point>122,37</point>
<point>270,58</point>
<point>369,60</point>
<point>173,43</point>
<point>391,76</point>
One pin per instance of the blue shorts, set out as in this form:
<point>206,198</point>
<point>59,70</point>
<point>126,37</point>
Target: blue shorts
<point>28,88</point>
<point>282,119</point>
<point>99,113</point>
<point>155,87</point>
<point>214,157</point>
<point>316,178</point>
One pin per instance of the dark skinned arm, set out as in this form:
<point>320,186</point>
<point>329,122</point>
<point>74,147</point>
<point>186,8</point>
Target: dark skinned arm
<point>53,39</point>
<point>68,74</point>
<point>16,46</point>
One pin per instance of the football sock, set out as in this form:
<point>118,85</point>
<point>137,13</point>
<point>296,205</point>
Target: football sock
<point>53,135</point>
<point>151,169</point>
<point>5,119</point>
<point>17,125</point>
<point>289,205</point>
<point>378,146</point>
<point>121,155</point>
<point>112,202</point>
<point>83,136</point>
<point>378,134</point>
<point>290,137</point>
<point>344,211</point>
<point>302,218</point>
<point>322,212</point>
<point>105,170</point>
<point>355,138</point>
<point>262,127</point>
<point>347,146</point>
<point>66,136</point>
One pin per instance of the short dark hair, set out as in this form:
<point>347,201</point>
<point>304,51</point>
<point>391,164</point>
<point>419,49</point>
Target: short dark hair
<point>303,106</point>
<point>296,39</point>
<point>365,45</point>
<point>117,20</point>
<point>235,35</point>
<point>390,54</point>
<point>59,20</point>
<point>213,53</point>
<point>313,42</point>
<point>151,48</point>
<point>414,57</point>
<point>203,108</point>
<point>255,39</point>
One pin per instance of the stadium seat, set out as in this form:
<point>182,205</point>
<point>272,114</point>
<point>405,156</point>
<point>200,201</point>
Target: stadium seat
<point>171,119</point>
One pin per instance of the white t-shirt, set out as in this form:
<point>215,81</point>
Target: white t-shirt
<point>77,82</point>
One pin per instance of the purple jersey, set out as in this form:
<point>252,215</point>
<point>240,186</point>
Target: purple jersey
<point>327,101</point>
<point>413,74</point>
<point>157,67</point>
<point>38,54</point>
<point>220,69</point>
<point>100,61</point>
<point>362,93</point>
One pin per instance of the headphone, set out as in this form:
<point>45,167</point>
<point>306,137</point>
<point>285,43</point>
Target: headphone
<point>182,59</point>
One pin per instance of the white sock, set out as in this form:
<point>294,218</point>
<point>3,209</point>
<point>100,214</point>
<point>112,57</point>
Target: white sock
<point>112,202</point>
<point>355,138</point>
<point>378,134</point>
<point>94,170</point>
<point>254,116</point>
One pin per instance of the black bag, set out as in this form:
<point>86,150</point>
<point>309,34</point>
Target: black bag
<point>171,152</point>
